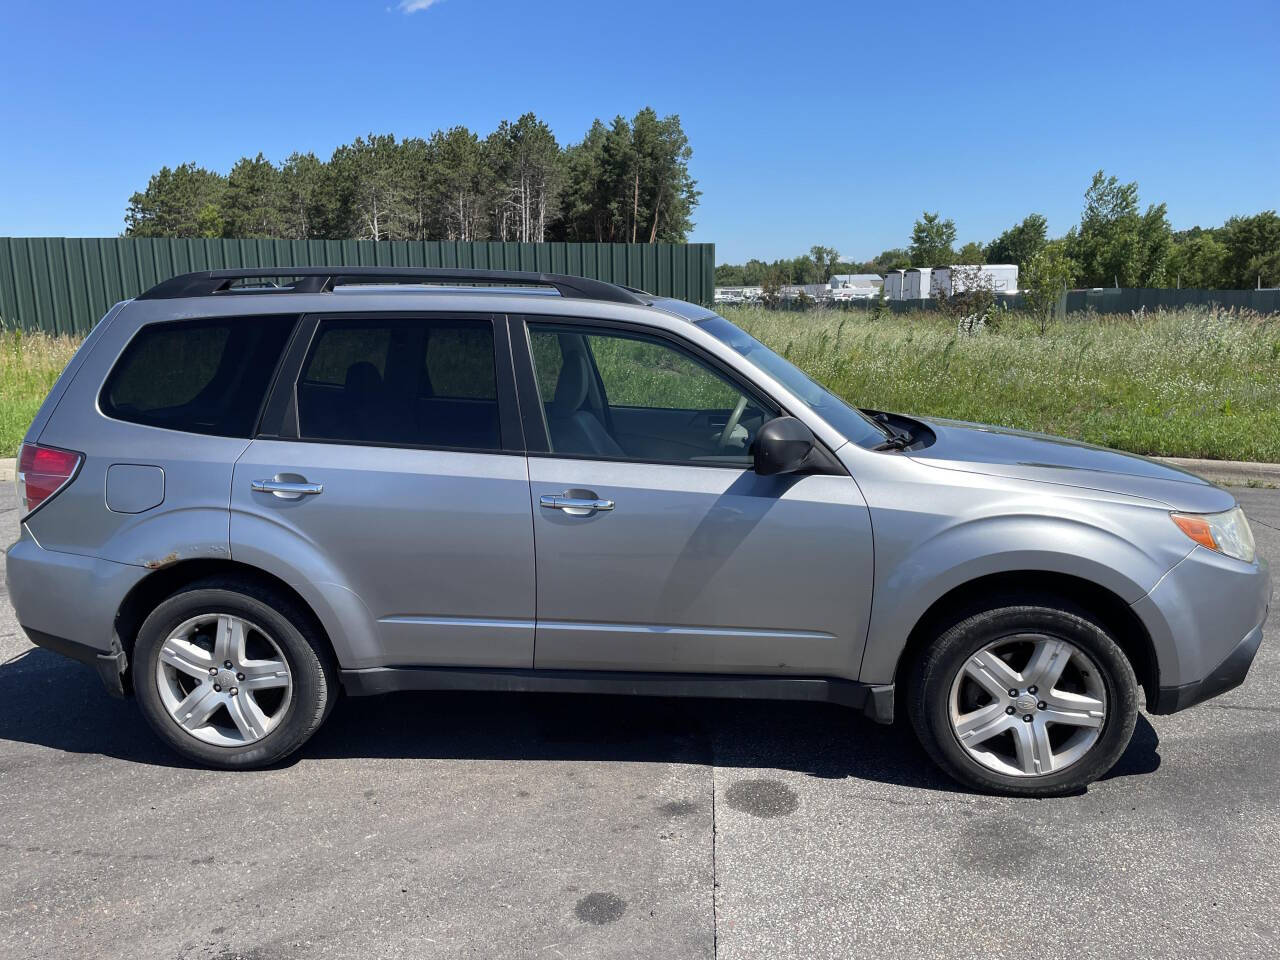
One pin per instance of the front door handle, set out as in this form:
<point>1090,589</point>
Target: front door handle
<point>287,489</point>
<point>574,506</point>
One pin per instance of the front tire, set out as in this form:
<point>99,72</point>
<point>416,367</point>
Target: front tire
<point>1028,700</point>
<point>232,675</point>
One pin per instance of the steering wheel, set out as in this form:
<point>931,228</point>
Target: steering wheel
<point>733,420</point>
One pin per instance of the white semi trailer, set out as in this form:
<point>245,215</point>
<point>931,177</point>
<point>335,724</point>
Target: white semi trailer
<point>916,283</point>
<point>893,281</point>
<point>957,278</point>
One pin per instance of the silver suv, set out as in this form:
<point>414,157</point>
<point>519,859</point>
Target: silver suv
<point>249,492</point>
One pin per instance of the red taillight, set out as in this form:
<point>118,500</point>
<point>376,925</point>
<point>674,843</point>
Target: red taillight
<point>43,471</point>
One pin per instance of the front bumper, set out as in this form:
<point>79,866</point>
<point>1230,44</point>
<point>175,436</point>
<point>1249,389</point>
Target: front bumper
<point>1228,675</point>
<point>1205,620</point>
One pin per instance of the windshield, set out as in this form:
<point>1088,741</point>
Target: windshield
<point>854,425</point>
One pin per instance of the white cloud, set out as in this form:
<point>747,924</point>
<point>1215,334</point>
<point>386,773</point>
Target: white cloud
<point>414,6</point>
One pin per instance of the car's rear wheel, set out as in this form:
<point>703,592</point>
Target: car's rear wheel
<point>231,675</point>
<point>1032,700</point>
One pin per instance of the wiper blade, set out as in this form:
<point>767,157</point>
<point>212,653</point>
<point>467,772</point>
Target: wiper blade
<point>899,441</point>
<point>895,437</point>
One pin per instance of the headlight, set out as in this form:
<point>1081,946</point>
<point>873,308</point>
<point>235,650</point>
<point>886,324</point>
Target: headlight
<point>1226,532</point>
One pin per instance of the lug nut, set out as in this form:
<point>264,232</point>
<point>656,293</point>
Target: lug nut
<point>1031,689</point>
<point>217,689</point>
<point>1009,710</point>
<point>1041,705</point>
<point>213,671</point>
<point>235,690</point>
<point>239,676</point>
<point>1026,717</point>
<point>1013,692</point>
<point>227,664</point>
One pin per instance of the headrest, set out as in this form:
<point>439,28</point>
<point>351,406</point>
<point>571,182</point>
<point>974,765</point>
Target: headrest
<point>571,388</point>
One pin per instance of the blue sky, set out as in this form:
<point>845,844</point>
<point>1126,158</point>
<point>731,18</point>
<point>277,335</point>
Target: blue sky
<point>832,123</point>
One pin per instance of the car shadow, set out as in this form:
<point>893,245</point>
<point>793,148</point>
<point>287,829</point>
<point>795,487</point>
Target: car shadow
<point>57,703</point>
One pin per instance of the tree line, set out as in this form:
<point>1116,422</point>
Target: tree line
<point>626,181</point>
<point>1116,243</point>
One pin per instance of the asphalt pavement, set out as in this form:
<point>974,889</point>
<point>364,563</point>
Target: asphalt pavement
<point>428,825</point>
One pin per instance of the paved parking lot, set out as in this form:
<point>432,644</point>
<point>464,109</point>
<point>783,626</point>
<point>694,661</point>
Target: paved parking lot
<point>484,826</point>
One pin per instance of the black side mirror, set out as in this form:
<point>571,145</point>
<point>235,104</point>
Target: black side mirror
<point>782,446</point>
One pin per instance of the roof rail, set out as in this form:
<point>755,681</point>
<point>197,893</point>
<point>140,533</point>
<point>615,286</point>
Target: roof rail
<point>204,283</point>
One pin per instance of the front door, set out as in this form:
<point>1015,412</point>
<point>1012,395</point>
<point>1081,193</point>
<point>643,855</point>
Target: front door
<point>397,487</point>
<point>658,547</point>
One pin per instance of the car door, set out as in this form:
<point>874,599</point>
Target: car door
<point>658,547</point>
<point>396,473</point>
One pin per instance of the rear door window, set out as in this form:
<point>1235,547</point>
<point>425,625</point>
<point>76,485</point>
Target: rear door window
<point>391,381</point>
<point>197,376</point>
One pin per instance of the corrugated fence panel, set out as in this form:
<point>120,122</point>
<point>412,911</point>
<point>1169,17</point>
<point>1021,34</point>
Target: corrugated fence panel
<point>65,284</point>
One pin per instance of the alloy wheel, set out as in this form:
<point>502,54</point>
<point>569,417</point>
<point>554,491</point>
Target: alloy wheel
<point>1028,705</point>
<point>223,679</point>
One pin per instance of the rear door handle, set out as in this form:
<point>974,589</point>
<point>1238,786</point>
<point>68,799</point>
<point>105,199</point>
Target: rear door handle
<point>574,506</point>
<point>287,489</point>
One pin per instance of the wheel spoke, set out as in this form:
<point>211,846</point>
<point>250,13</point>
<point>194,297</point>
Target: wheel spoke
<point>197,707</point>
<point>982,724</point>
<point>1048,660</point>
<point>991,673</point>
<point>1073,709</point>
<point>1035,755</point>
<point>228,643</point>
<point>186,657</point>
<point>264,674</point>
<point>247,716</point>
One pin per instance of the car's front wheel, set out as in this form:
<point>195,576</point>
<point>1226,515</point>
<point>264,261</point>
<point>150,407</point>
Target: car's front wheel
<point>1032,700</point>
<point>231,675</point>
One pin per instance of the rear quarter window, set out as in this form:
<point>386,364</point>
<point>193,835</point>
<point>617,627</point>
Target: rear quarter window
<point>197,376</point>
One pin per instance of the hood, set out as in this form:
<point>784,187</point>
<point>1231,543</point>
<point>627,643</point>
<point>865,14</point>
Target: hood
<point>1002,452</point>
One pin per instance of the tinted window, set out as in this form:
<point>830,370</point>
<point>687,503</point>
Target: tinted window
<point>401,382</point>
<point>640,398</point>
<point>199,376</point>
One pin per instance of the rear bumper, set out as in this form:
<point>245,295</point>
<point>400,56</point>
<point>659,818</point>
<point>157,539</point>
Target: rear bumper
<point>67,603</point>
<point>1228,675</point>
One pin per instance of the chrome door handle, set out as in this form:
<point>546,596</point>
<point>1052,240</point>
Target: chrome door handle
<point>576,506</point>
<point>287,489</point>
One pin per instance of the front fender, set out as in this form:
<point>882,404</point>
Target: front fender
<point>914,572</point>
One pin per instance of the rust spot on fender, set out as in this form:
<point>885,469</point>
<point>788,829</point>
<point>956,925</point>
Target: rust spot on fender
<point>162,562</point>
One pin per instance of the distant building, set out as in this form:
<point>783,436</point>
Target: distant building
<point>893,284</point>
<point>855,286</point>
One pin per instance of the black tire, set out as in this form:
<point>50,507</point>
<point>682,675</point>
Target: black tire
<point>930,683</point>
<point>305,650</point>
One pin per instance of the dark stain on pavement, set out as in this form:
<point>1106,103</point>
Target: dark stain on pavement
<point>600,908</point>
<point>678,808</point>
<point>762,798</point>
<point>999,847</point>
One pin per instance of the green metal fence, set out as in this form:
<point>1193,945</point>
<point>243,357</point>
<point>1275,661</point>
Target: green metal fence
<point>64,285</point>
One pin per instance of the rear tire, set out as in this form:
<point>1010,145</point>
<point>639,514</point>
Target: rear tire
<point>1027,699</point>
<point>286,682</point>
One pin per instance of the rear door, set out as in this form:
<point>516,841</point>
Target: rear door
<point>391,466</point>
<point>658,547</point>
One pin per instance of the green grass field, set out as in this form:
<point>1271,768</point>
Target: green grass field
<point>1189,383</point>
<point>29,365</point>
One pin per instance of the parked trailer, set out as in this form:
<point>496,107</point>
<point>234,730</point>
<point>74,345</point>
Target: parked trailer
<point>916,284</point>
<point>893,281</point>
<point>956,278</point>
